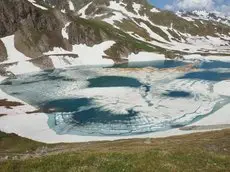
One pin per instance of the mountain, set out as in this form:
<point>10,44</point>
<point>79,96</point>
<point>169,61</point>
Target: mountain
<point>46,34</point>
<point>214,16</point>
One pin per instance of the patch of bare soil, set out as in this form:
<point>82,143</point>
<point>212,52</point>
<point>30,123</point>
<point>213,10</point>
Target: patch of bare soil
<point>9,104</point>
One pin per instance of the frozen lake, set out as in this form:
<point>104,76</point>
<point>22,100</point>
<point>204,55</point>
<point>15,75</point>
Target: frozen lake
<point>123,100</point>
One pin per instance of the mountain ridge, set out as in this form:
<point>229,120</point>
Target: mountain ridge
<point>42,26</point>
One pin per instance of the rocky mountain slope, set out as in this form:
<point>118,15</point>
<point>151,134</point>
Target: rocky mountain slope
<point>214,16</point>
<point>44,34</point>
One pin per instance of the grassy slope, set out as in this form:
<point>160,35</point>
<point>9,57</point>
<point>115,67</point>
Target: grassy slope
<point>100,31</point>
<point>196,152</point>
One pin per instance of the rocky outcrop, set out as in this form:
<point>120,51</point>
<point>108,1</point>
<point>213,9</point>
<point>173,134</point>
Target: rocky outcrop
<point>83,32</point>
<point>58,4</point>
<point>36,30</point>
<point>34,43</point>
<point>43,62</point>
<point>3,52</point>
<point>14,12</point>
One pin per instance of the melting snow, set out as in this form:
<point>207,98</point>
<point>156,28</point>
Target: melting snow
<point>39,6</point>
<point>151,33</point>
<point>82,11</point>
<point>23,67</point>
<point>117,16</point>
<point>18,121</point>
<point>87,55</point>
<point>145,56</point>
<point>71,6</point>
<point>13,54</point>
<point>136,7</point>
<point>64,32</point>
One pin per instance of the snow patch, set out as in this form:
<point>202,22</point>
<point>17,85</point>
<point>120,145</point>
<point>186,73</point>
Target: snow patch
<point>136,7</point>
<point>151,33</point>
<point>82,11</point>
<point>23,67</point>
<point>117,16</point>
<point>86,55</point>
<point>155,10</point>
<point>71,6</point>
<point>145,56</point>
<point>64,31</point>
<point>13,54</point>
<point>36,5</point>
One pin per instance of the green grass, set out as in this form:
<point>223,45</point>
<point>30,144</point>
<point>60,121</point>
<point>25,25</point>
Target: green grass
<point>11,143</point>
<point>124,42</point>
<point>152,160</point>
<point>197,152</point>
<point>130,26</point>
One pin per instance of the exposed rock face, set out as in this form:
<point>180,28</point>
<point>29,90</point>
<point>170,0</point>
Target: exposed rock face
<point>134,26</point>
<point>34,43</point>
<point>14,12</point>
<point>36,30</point>
<point>3,53</point>
<point>81,32</point>
<point>43,62</point>
<point>59,4</point>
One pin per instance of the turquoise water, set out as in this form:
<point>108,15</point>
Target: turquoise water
<point>58,93</point>
<point>177,94</point>
<point>207,75</point>
<point>113,81</point>
<point>160,64</point>
<point>214,64</point>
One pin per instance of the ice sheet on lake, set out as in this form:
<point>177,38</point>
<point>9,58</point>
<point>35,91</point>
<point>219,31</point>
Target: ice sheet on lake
<point>121,110</point>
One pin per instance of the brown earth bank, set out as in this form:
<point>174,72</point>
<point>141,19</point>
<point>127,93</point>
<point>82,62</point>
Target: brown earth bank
<point>9,104</point>
<point>208,151</point>
<point>206,127</point>
<point>2,115</point>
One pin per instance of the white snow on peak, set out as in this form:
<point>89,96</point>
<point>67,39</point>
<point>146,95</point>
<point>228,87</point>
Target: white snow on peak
<point>136,7</point>
<point>71,6</point>
<point>154,10</point>
<point>121,13</point>
<point>36,5</point>
<point>121,7</point>
<point>180,14</point>
<point>202,13</point>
